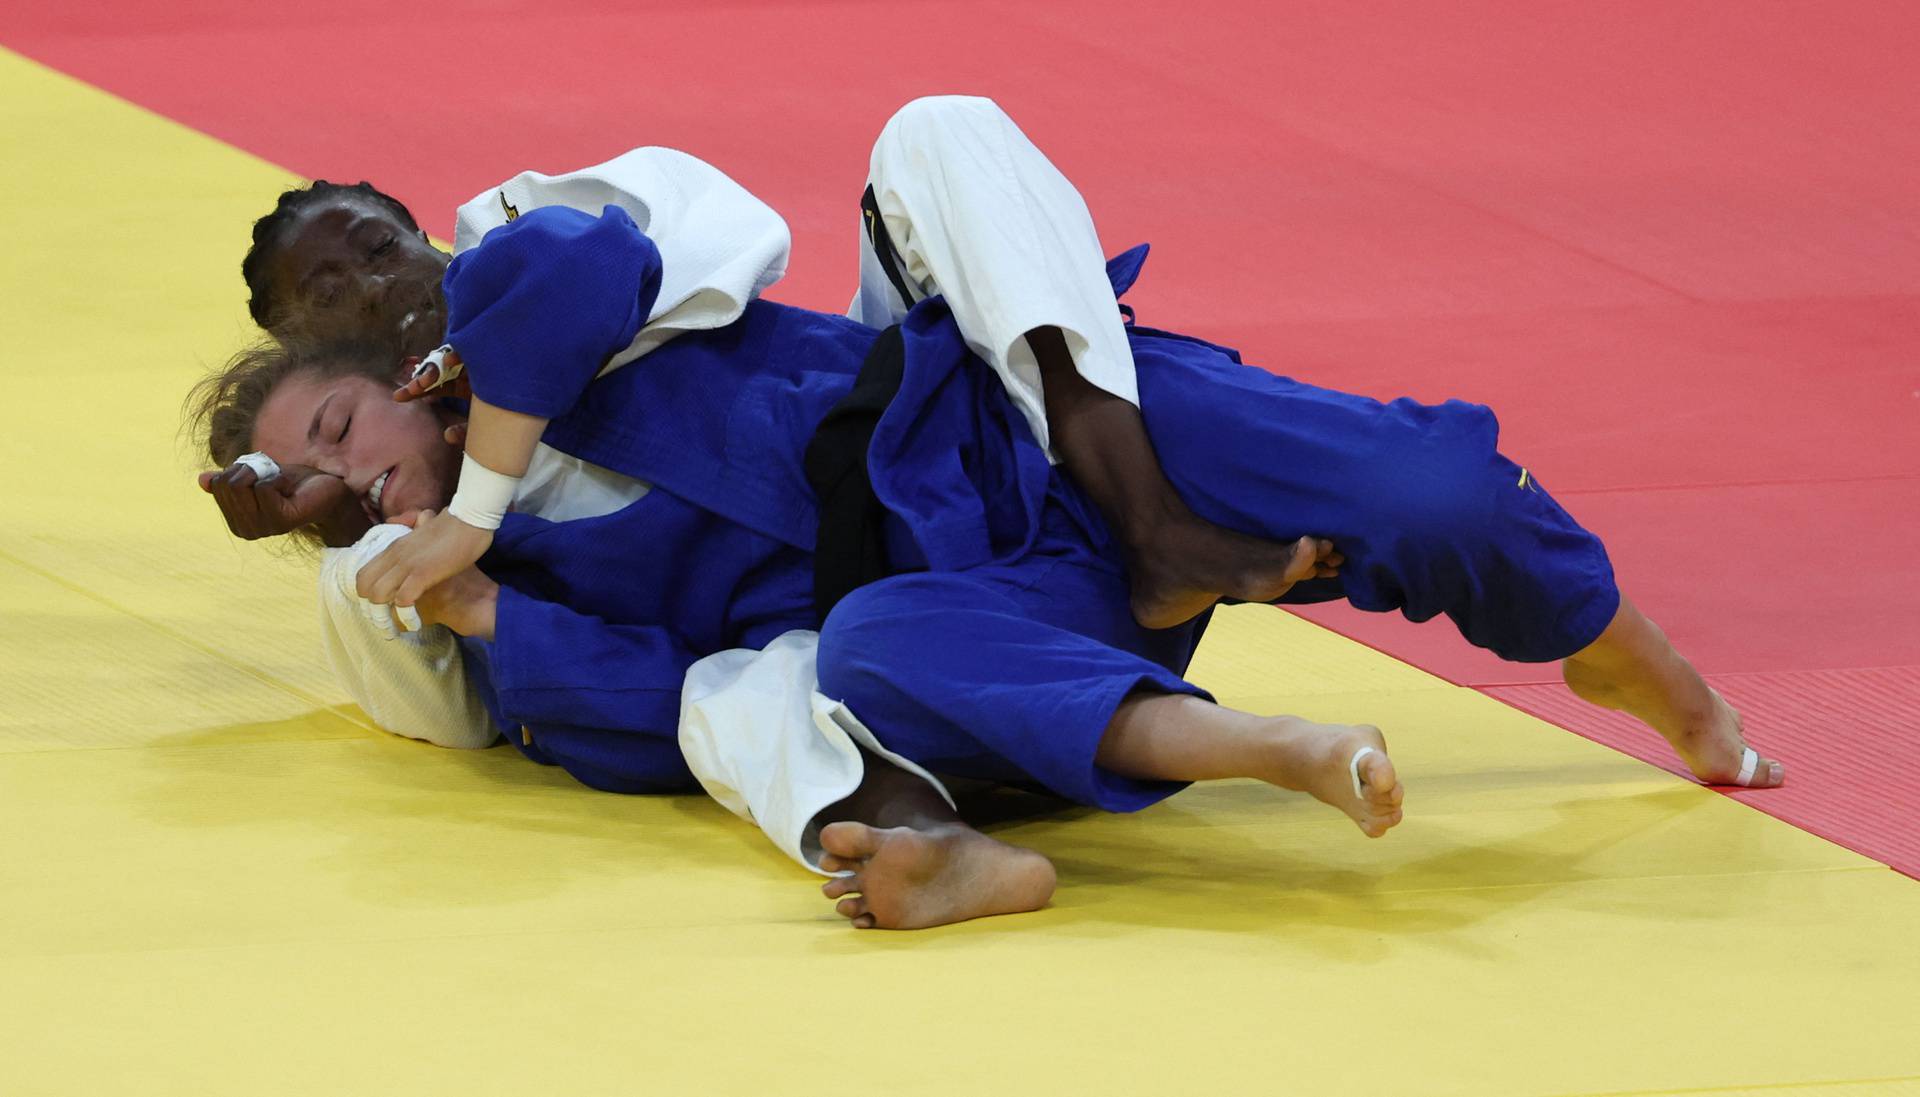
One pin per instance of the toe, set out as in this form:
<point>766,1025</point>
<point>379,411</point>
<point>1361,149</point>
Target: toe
<point>852,908</point>
<point>1379,781</point>
<point>1302,560</point>
<point>865,921</point>
<point>1768,774</point>
<point>840,885</point>
<point>1376,826</point>
<point>850,841</point>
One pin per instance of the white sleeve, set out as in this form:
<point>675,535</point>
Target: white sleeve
<point>413,684</point>
<point>979,215</point>
<point>769,747</point>
<point>720,247</point>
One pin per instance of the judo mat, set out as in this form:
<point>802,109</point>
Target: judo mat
<point>1673,244</point>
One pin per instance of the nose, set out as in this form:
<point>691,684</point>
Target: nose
<point>332,464</point>
<point>376,291</point>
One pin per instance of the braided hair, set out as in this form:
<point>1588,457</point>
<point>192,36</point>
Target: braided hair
<point>260,304</point>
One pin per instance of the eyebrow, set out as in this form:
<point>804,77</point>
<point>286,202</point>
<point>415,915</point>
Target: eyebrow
<point>313,429</point>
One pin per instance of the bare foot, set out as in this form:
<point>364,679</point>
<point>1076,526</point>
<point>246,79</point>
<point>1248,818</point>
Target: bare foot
<point>905,878</point>
<point>1185,566</point>
<point>1705,731</point>
<point>1318,759</point>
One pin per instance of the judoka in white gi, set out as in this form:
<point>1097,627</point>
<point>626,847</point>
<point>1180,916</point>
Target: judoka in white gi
<point>1127,762</point>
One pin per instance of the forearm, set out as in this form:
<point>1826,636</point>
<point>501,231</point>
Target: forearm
<point>502,440</point>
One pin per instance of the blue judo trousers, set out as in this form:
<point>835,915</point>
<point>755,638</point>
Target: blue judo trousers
<point>1003,642</point>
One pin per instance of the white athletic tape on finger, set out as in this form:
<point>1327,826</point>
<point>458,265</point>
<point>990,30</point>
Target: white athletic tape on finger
<point>438,361</point>
<point>380,617</point>
<point>263,466</point>
<point>1353,769</point>
<point>392,621</point>
<point>1749,764</point>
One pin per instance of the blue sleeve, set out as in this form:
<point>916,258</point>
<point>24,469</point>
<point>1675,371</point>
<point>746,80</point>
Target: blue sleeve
<point>552,666</point>
<point>540,305</point>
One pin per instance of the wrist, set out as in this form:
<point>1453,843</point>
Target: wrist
<point>487,613</point>
<point>483,496</point>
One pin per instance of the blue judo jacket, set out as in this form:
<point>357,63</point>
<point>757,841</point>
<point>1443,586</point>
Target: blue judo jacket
<point>599,619</point>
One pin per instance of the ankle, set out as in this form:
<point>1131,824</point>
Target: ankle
<point>1283,747</point>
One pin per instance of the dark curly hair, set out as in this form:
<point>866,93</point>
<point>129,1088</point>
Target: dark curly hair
<point>260,304</point>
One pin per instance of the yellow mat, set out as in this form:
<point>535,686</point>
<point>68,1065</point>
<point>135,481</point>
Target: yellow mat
<point>218,879</point>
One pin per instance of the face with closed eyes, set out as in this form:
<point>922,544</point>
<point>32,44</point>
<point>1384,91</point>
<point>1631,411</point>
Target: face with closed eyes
<point>394,456</point>
<point>347,253</point>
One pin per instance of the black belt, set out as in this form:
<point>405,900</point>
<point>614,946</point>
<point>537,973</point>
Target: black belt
<point>850,549</point>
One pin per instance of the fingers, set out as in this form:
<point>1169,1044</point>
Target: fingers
<point>372,578</point>
<point>422,382</point>
<point>232,490</point>
<point>238,477</point>
<point>298,496</point>
<point>381,617</point>
<point>412,587</point>
<point>440,548</point>
<point>429,374</point>
<point>388,580</point>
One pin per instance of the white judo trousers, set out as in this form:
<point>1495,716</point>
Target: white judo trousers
<point>977,214</point>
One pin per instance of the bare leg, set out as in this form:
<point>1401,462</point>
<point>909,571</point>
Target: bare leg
<point>916,863</point>
<point>1175,737</point>
<point>1633,668</point>
<point>1179,563</point>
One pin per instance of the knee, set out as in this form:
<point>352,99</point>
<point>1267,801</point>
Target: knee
<point>845,639</point>
<point>931,121</point>
<point>861,635</point>
<point>1452,507</point>
<point>1453,485</point>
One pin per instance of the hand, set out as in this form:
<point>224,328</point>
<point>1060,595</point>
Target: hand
<point>464,603</point>
<point>428,381</point>
<point>299,496</point>
<point>440,547</point>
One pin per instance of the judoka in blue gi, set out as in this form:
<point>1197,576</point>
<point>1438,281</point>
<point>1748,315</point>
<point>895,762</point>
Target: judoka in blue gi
<point>999,641</point>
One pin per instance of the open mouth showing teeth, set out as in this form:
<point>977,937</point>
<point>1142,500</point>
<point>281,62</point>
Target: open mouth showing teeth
<point>380,485</point>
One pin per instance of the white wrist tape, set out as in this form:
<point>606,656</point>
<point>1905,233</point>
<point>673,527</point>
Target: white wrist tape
<point>262,465</point>
<point>483,496</point>
<point>438,360</point>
